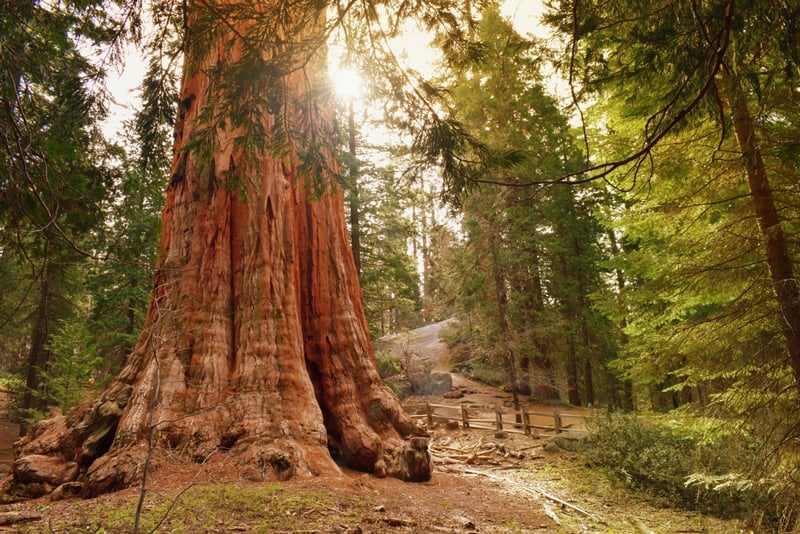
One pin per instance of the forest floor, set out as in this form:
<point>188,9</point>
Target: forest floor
<point>482,483</point>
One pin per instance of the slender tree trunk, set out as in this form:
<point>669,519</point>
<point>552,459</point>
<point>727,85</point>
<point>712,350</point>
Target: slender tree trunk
<point>573,389</point>
<point>779,261</point>
<point>255,341</point>
<point>35,398</point>
<point>501,299</point>
<point>588,383</point>
<point>427,224</point>
<point>627,384</point>
<point>568,310</point>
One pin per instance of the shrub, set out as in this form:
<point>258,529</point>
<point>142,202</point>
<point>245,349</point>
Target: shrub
<point>71,373</point>
<point>484,371</point>
<point>660,456</point>
<point>388,365</point>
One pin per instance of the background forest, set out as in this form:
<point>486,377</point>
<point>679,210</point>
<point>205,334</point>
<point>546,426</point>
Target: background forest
<point>628,242</point>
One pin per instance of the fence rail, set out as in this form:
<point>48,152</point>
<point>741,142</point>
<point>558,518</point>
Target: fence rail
<point>524,422</point>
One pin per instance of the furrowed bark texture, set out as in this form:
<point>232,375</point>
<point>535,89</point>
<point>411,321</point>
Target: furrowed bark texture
<point>255,341</point>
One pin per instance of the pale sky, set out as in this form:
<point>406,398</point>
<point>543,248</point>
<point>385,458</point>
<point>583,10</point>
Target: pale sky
<point>525,15</point>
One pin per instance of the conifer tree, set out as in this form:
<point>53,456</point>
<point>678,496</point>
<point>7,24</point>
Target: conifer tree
<point>54,165</point>
<point>527,250</point>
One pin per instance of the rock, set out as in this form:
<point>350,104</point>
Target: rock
<point>453,394</point>
<point>64,491</point>
<point>466,523</point>
<point>550,446</point>
<point>417,461</point>
<point>252,474</point>
<point>419,443</point>
<point>501,434</point>
<point>39,468</point>
<point>9,518</point>
<point>48,436</point>
<point>379,470</point>
<point>523,388</point>
<point>432,384</point>
<point>451,425</point>
<point>573,441</point>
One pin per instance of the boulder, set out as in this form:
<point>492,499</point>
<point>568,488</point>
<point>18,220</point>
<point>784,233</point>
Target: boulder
<point>40,468</point>
<point>67,490</point>
<point>431,384</point>
<point>551,446</point>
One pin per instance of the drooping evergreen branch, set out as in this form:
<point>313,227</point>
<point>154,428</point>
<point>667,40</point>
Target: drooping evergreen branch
<point>718,48</point>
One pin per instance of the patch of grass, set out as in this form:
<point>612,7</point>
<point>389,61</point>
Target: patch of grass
<point>219,508</point>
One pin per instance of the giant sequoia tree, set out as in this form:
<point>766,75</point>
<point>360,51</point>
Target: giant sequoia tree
<point>255,341</point>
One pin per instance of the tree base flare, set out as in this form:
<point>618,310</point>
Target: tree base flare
<point>54,459</point>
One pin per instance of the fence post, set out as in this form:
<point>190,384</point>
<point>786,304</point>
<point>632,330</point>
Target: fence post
<point>557,417</point>
<point>430,414</point>
<point>525,422</point>
<point>464,416</point>
<point>499,418</point>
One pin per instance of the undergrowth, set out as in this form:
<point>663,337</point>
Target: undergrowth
<point>697,464</point>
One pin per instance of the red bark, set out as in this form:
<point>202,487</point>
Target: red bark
<point>255,341</point>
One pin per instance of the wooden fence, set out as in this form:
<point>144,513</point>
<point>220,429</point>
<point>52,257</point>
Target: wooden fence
<point>519,421</point>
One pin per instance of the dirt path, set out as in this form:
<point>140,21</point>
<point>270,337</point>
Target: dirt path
<point>425,346</point>
<point>560,484</point>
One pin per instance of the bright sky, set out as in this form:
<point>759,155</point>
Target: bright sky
<point>123,85</point>
<point>525,15</point>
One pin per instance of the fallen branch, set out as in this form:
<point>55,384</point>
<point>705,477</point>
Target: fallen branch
<point>9,518</point>
<point>551,514</point>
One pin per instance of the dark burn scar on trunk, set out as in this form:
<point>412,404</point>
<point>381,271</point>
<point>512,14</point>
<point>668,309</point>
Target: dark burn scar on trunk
<point>180,170</point>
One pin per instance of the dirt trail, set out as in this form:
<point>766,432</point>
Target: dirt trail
<point>575,497</point>
<point>426,347</point>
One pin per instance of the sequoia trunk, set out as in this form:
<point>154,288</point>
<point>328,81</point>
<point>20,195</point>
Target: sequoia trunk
<point>255,342</point>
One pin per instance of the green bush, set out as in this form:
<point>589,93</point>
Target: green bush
<point>661,457</point>
<point>74,363</point>
<point>388,365</point>
<point>484,371</point>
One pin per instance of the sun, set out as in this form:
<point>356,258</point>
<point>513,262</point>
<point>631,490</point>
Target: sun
<point>347,82</point>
